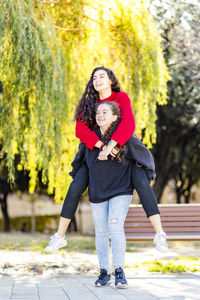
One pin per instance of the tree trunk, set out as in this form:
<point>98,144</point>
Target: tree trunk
<point>178,196</point>
<point>4,191</point>
<point>191,181</point>
<point>159,186</point>
<point>164,152</point>
<point>33,214</point>
<point>4,209</point>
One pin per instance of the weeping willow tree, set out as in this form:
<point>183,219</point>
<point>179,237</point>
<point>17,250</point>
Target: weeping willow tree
<point>121,36</point>
<point>144,76</point>
<point>33,103</point>
<point>118,34</point>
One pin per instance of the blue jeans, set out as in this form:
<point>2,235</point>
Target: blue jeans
<point>109,217</point>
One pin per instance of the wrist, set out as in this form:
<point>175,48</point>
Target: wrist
<point>100,148</point>
<point>98,144</point>
<point>111,143</point>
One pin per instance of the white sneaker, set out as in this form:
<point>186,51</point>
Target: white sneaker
<point>160,242</point>
<point>56,242</point>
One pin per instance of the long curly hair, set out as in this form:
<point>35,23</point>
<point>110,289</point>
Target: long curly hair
<point>111,129</point>
<point>86,108</point>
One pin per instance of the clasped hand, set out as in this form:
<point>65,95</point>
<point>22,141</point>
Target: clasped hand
<point>107,150</point>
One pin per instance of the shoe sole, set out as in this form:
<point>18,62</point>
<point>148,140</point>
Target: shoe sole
<point>164,250</point>
<point>99,285</point>
<point>51,251</point>
<point>121,286</point>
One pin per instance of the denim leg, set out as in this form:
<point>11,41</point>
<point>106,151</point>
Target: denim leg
<point>76,189</point>
<point>141,183</point>
<point>100,217</point>
<point>118,208</point>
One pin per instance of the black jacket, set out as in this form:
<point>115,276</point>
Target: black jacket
<point>136,151</point>
<point>142,155</point>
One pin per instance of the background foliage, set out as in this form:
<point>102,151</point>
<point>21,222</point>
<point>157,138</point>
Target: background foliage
<point>178,126</point>
<point>48,51</point>
<point>34,98</point>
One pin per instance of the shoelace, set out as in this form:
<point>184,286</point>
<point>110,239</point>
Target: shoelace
<point>52,238</point>
<point>119,274</point>
<point>162,239</point>
<point>102,275</point>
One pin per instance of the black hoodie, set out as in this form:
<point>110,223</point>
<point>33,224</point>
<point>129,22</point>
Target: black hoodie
<point>107,178</point>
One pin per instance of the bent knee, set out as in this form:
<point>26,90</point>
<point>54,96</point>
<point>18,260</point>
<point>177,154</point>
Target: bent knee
<point>114,221</point>
<point>101,234</point>
<point>78,185</point>
<point>116,225</point>
<point>142,184</point>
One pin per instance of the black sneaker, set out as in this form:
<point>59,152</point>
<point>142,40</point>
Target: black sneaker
<point>103,278</point>
<point>120,278</point>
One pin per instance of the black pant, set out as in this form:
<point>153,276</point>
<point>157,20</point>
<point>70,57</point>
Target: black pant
<point>79,184</point>
<point>141,183</point>
<point>76,189</point>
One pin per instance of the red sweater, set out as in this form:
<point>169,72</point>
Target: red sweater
<point>124,130</point>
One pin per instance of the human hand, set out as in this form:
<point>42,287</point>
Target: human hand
<point>114,152</point>
<point>103,155</point>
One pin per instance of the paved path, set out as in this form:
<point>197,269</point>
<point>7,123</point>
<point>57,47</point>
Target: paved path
<point>81,287</point>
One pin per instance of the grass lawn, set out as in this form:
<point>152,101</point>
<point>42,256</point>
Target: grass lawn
<point>174,265</point>
<point>38,242</point>
<point>188,261</point>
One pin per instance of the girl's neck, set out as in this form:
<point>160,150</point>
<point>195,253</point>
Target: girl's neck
<point>105,94</point>
<point>103,129</point>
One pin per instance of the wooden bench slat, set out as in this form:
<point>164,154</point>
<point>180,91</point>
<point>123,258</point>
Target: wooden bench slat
<point>165,209</point>
<point>175,208</point>
<point>166,229</point>
<point>164,224</point>
<point>136,211</point>
<point>171,213</point>
<point>151,235</point>
<point>169,237</point>
<point>164,221</point>
<point>182,213</point>
<point>181,218</point>
<point>167,219</point>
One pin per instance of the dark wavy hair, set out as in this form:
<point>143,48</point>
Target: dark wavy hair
<point>111,129</point>
<point>86,108</point>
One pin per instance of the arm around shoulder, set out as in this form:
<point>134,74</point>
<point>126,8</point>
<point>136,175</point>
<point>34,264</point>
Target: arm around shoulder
<point>126,127</point>
<point>86,135</point>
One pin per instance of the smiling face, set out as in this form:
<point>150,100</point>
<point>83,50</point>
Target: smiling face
<point>105,116</point>
<point>101,81</point>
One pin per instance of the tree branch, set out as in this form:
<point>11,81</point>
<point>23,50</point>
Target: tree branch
<point>69,29</point>
<point>49,2</point>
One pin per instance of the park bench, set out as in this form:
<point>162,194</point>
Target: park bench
<point>180,222</point>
